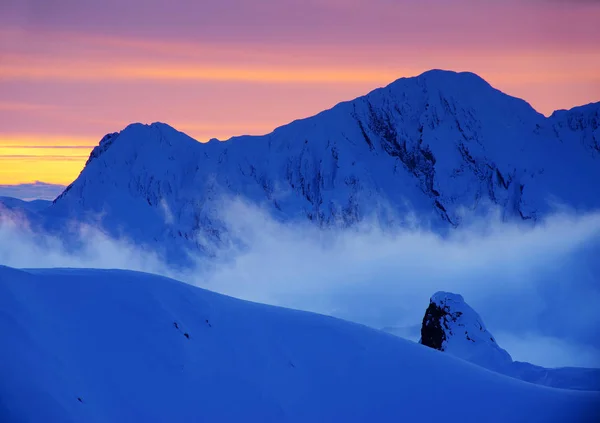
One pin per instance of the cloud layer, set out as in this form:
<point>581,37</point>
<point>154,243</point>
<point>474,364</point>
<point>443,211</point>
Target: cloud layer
<point>34,191</point>
<point>535,287</point>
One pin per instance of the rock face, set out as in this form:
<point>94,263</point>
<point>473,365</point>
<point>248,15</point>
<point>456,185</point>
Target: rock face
<point>433,330</point>
<point>452,326</point>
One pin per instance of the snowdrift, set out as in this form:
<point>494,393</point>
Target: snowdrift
<point>119,346</point>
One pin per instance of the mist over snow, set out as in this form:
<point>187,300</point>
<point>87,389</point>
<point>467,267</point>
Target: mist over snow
<point>24,244</point>
<point>533,285</point>
<point>435,183</point>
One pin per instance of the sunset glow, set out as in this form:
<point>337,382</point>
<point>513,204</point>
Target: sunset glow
<point>25,159</point>
<point>71,73</point>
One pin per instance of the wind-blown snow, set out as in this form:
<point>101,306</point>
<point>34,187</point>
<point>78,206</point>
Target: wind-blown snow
<point>91,345</point>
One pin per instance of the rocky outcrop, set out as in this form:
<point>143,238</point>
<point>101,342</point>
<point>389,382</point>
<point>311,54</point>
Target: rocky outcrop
<point>452,326</point>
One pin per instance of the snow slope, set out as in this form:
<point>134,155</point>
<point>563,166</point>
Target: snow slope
<point>452,326</point>
<point>110,346</point>
<point>436,144</point>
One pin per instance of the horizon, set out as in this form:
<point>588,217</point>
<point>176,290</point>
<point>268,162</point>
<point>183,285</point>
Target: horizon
<point>73,72</point>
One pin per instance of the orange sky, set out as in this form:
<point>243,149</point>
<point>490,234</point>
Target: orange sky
<point>74,71</point>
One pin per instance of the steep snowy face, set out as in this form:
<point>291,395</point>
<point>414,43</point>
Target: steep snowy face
<point>451,325</point>
<point>436,144</point>
<point>142,183</point>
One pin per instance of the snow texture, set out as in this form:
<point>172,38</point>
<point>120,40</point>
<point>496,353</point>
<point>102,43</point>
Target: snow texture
<point>119,346</point>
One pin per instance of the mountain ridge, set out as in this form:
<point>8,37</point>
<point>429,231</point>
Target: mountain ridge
<point>435,144</point>
<point>430,72</point>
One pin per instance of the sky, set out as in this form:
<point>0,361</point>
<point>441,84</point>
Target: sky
<point>74,70</point>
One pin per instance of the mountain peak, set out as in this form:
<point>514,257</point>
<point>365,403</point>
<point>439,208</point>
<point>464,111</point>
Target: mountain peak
<point>450,74</point>
<point>445,80</point>
<point>104,144</point>
<point>139,135</point>
<point>436,144</point>
<point>141,162</point>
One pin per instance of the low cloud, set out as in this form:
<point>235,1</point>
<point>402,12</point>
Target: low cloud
<point>533,285</point>
<point>548,351</point>
<point>23,244</point>
<point>34,191</point>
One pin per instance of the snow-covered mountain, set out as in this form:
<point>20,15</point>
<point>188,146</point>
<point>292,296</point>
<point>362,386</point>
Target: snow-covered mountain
<point>452,326</point>
<point>437,144</point>
<point>118,346</point>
